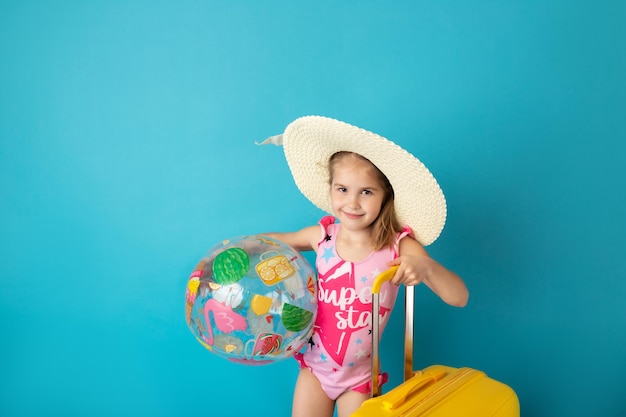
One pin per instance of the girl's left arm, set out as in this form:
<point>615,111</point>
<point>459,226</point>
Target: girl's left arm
<point>416,266</point>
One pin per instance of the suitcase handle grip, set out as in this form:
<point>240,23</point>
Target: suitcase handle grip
<point>383,277</point>
<point>398,396</point>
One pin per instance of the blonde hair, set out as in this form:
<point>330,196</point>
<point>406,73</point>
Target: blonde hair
<point>386,226</point>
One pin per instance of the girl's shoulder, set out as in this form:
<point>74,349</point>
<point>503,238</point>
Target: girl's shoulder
<point>407,245</point>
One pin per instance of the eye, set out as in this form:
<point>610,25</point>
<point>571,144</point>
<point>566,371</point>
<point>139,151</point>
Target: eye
<point>367,192</point>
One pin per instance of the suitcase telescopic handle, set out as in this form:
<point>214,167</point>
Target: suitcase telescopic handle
<point>383,277</point>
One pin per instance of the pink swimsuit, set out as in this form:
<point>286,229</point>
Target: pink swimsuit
<point>340,348</point>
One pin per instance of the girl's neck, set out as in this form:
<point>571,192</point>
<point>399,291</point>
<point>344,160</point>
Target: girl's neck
<point>353,246</point>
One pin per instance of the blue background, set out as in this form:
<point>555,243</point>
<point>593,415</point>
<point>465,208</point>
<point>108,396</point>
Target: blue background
<point>127,150</point>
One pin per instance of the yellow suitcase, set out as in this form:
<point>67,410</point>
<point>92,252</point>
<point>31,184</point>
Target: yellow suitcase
<point>438,390</point>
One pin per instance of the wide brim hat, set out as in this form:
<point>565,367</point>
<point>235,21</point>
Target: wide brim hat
<point>310,141</point>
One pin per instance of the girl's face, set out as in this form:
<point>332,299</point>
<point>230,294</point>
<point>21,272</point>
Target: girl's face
<point>355,192</point>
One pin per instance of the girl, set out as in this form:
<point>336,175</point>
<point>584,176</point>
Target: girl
<point>360,183</point>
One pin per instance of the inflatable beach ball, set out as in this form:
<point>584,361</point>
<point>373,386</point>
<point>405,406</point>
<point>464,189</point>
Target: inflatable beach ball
<point>252,300</point>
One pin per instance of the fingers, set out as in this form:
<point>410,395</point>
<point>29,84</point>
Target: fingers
<point>405,274</point>
<point>396,261</point>
<point>397,277</point>
<point>390,264</point>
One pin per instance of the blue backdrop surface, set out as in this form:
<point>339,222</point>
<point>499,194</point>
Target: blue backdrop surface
<point>127,135</point>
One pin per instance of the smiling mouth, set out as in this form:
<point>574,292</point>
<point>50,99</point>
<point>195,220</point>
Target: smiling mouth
<point>352,216</point>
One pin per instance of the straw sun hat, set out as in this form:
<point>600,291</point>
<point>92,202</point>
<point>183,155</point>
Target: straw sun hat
<point>310,141</point>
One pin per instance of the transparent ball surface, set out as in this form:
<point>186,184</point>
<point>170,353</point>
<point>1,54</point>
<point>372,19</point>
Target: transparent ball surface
<point>252,300</point>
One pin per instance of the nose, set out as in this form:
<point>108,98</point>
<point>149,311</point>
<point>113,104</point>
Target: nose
<point>353,201</point>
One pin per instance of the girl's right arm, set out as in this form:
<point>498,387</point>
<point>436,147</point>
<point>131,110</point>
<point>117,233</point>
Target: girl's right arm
<point>302,240</point>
